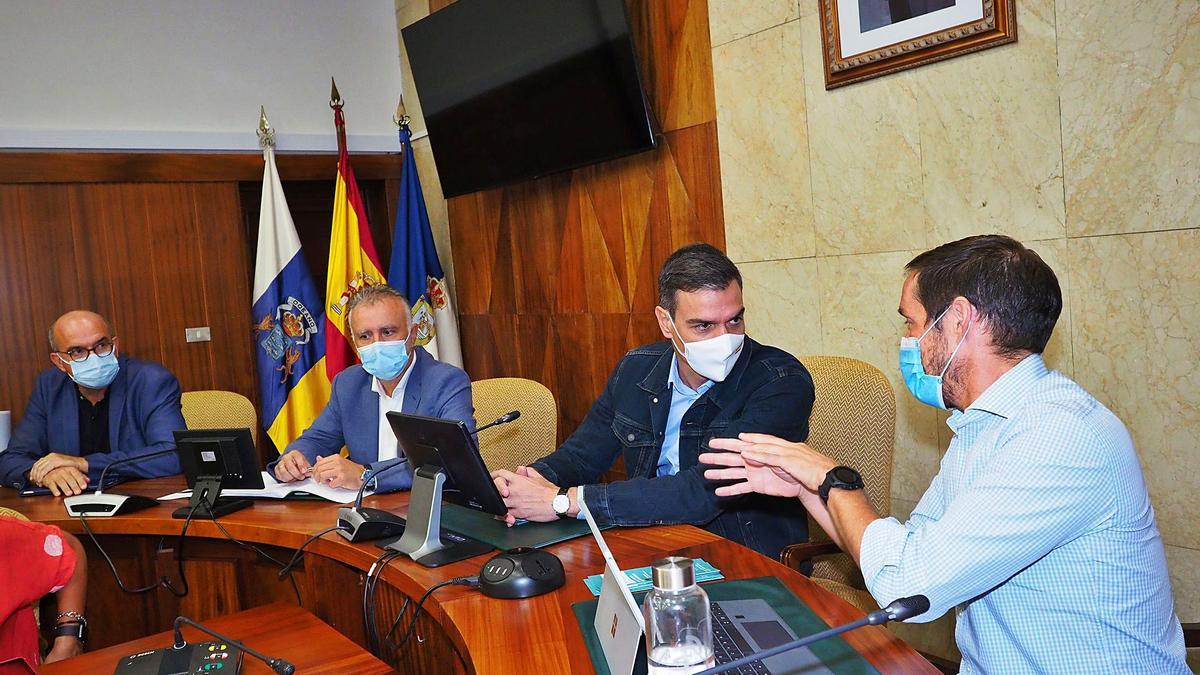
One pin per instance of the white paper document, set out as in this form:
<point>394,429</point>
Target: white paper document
<point>275,490</point>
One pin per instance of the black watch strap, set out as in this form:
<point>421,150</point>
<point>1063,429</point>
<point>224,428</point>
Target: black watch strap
<point>841,477</point>
<point>75,629</point>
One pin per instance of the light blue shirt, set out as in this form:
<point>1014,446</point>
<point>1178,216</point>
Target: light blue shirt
<point>1038,528</point>
<point>682,398</point>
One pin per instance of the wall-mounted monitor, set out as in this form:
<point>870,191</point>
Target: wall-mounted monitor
<point>516,89</point>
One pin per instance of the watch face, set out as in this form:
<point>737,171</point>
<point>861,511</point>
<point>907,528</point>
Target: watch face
<point>561,503</point>
<point>846,475</point>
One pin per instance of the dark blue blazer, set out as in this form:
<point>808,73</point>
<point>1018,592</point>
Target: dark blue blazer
<point>351,418</point>
<point>143,414</point>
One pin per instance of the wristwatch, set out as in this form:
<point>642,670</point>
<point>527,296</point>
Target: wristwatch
<point>561,503</point>
<point>74,626</point>
<point>842,478</point>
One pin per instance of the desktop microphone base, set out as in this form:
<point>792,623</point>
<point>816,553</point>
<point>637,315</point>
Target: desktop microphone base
<point>455,547</point>
<point>364,524</point>
<point>106,504</point>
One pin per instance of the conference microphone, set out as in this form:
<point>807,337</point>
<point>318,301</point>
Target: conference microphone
<point>202,657</point>
<point>900,610</point>
<point>365,524</point>
<point>100,504</point>
<point>503,419</point>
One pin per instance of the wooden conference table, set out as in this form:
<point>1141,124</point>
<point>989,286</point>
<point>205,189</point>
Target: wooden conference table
<point>460,630</point>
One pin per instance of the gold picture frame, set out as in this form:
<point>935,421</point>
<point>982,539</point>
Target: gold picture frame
<point>861,41</point>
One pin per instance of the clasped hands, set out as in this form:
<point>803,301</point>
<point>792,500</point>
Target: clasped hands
<point>65,475</point>
<point>334,470</point>
<point>767,465</point>
<point>527,494</point>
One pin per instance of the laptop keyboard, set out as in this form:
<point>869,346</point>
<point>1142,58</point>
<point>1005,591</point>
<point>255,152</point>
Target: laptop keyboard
<point>729,645</point>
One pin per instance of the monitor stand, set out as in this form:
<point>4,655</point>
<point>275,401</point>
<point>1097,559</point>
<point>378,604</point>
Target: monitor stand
<point>206,502</point>
<point>423,539</point>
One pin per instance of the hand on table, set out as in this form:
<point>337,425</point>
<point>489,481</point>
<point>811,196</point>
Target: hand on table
<point>293,466</point>
<point>65,481</point>
<point>53,461</point>
<point>527,494</point>
<point>337,471</point>
<point>766,464</point>
<point>65,647</point>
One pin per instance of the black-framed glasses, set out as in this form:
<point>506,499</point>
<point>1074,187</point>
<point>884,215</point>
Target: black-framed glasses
<point>102,348</point>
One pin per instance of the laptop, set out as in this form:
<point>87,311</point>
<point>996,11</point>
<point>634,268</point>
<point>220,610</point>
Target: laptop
<point>740,627</point>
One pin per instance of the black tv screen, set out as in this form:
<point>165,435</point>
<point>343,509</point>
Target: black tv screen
<point>516,89</point>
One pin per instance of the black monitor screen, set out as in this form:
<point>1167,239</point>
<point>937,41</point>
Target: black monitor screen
<point>225,453</point>
<point>516,89</point>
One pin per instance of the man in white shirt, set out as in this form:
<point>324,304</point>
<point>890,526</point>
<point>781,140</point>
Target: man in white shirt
<point>395,375</point>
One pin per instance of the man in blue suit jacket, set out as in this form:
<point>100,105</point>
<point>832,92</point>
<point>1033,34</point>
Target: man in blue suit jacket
<point>394,376</point>
<point>92,409</point>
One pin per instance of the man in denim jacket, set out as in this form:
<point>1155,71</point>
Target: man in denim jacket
<point>661,406</point>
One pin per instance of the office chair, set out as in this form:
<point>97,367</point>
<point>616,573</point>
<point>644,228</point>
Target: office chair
<point>532,436</point>
<point>217,409</point>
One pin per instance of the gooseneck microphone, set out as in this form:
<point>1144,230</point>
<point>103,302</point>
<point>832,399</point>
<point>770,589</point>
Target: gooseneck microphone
<point>280,666</point>
<point>100,504</point>
<point>503,419</point>
<point>899,610</point>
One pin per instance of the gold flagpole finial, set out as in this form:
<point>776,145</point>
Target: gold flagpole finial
<point>401,117</point>
<point>266,135</point>
<point>335,99</point>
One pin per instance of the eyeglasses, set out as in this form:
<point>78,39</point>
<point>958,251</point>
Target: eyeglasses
<point>77,354</point>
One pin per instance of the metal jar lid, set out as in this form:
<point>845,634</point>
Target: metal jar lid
<point>673,573</point>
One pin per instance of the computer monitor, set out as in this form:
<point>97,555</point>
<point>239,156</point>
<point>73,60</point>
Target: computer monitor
<point>446,464</point>
<point>216,459</point>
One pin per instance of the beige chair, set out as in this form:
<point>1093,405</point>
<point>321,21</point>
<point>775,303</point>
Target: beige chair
<point>9,513</point>
<point>531,436</point>
<point>853,421</point>
<point>215,409</point>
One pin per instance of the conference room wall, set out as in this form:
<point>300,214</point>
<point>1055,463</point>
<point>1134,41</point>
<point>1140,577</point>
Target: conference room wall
<point>1080,140</point>
<point>556,278</point>
<point>157,242</point>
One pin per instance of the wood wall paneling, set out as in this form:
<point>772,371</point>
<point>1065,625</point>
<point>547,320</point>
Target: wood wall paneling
<point>156,242</point>
<point>557,277</point>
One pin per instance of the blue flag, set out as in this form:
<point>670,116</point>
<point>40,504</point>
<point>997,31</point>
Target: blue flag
<point>415,269</point>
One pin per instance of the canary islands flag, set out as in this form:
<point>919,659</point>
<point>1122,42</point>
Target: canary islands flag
<point>289,320</point>
<point>415,269</point>
<point>353,261</point>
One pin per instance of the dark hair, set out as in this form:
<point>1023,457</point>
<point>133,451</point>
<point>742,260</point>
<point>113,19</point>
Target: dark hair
<point>692,268</point>
<point>1014,289</point>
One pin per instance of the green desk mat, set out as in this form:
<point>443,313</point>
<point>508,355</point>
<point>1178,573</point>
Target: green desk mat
<point>835,653</point>
<point>484,527</point>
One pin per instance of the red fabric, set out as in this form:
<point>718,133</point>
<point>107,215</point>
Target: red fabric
<point>34,561</point>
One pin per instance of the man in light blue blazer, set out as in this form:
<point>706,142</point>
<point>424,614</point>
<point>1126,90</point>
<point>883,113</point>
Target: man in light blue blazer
<point>396,376</point>
<point>92,409</point>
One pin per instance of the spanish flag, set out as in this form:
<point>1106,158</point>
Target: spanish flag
<point>353,261</point>
<point>288,315</point>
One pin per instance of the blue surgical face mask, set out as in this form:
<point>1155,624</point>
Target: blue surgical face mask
<point>95,372</point>
<point>926,388</point>
<point>384,360</point>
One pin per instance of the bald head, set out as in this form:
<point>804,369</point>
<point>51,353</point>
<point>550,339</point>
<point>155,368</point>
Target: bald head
<point>78,328</point>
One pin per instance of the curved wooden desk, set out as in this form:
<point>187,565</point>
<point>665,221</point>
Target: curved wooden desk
<point>461,631</point>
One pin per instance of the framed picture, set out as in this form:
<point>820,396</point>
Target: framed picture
<point>868,38</point>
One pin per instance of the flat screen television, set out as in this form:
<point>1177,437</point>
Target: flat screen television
<point>517,89</point>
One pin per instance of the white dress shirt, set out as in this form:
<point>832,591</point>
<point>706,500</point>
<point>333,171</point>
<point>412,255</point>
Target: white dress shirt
<point>393,403</point>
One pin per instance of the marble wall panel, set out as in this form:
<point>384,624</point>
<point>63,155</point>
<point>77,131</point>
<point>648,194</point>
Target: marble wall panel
<point>783,304</point>
<point>990,143</point>
<point>762,127</point>
<point>859,297</point>
<point>730,20</point>
<point>1136,318</point>
<point>866,159</point>
<point>1130,88</point>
